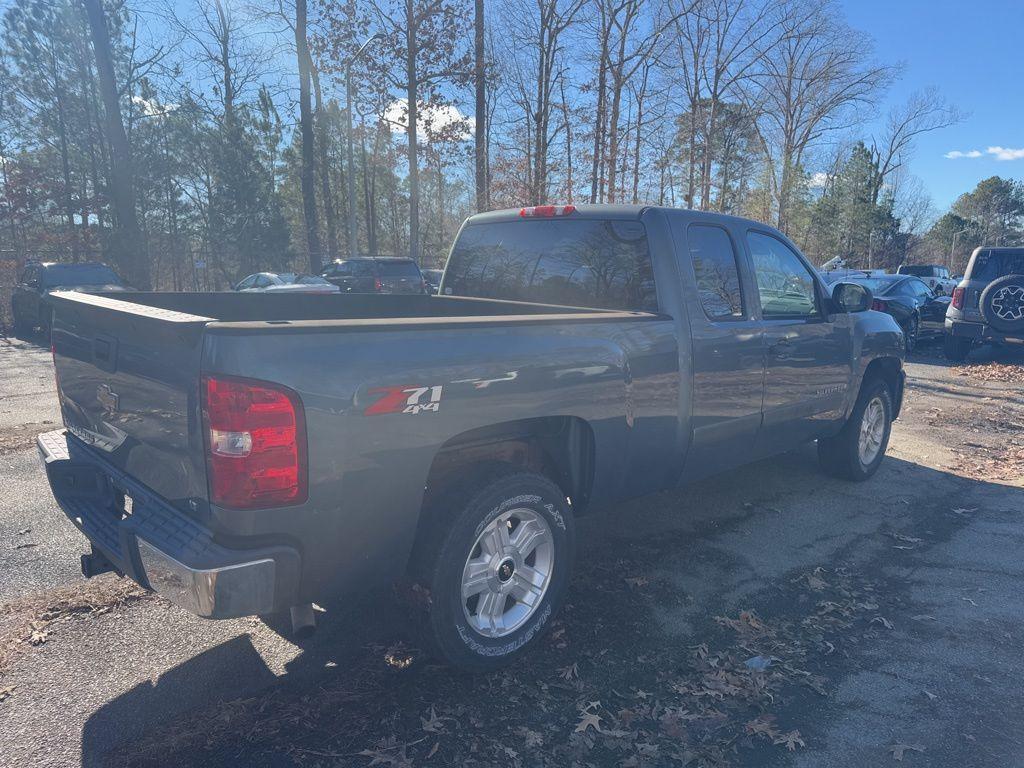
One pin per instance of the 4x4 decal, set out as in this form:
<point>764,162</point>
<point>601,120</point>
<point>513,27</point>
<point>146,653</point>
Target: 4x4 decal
<point>404,399</point>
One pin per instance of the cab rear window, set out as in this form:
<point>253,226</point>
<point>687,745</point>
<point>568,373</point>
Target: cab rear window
<point>600,263</point>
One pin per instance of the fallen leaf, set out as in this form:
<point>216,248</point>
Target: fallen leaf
<point>897,750</point>
<point>588,720</point>
<point>570,672</point>
<point>433,750</point>
<point>530,738</point>
<point>931,696</point>
<point>636,581</point>
<point>792,740</point>
<point>883,621</point>
<point>433,724</point>
<point>6,692</point>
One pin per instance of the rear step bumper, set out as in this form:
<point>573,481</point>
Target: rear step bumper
<point>158,546</point>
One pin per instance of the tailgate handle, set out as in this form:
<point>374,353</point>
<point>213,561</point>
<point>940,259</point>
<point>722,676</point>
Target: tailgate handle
<point>104,353</point>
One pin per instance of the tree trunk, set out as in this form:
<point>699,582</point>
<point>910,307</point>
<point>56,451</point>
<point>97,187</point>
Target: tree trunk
<point>308,173</point>
<point>480,132</point>
<point>322,139</point>
<point>126,242</point>
<point>412,93</point>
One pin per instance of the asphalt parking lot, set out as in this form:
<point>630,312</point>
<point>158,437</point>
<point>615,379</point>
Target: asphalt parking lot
<point>773,616</point>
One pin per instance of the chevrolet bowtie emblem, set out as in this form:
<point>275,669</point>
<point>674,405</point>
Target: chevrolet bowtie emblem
<point>108,398</point>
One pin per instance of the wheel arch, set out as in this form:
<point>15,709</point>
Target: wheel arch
<point>890,371</point>
<point>560,448</point>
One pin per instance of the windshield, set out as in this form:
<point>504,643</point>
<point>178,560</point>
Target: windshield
<point>79,274</point>
<point>584,263</point>
<point>918,271</point>
<point>398,269</point>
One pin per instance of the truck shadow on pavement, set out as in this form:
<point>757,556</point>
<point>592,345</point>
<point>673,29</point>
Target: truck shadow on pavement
<point>731,622</point>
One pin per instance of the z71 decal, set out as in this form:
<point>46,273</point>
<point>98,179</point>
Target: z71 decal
<point>404,399</point>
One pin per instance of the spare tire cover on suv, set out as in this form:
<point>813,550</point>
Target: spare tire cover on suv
<point>1002,304</point>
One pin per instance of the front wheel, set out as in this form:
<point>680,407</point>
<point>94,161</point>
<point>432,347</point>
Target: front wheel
<point>500,570</point>
<point>857,451</point>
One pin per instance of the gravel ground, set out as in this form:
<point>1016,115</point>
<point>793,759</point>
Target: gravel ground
<point>889,614</point>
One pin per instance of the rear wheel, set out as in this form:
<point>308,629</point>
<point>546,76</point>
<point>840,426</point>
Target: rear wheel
<point>956,348</point>
<point>857,451</point>
<point>499,570</point>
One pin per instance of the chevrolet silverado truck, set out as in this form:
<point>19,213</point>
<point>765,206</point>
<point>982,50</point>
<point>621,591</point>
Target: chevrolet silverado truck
<point>249,454</point>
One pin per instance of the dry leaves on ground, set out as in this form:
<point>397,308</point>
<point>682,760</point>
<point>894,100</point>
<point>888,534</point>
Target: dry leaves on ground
<point>30,620</point>
<point>1013,374</point>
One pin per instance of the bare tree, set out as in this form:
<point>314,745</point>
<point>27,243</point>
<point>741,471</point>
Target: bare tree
<point>480,110</point>
<point>127,245</point>
<point>308,178</point>
<point>923,112</point>
<point>423,40</point>
<point>811,82</point>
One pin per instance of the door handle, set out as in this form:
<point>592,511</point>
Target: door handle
<point>781,349</point>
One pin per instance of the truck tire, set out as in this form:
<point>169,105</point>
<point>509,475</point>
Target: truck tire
<point>956,348</point>
<point>857,451</point>
<point>1002,304</point>
<point>499,569</point>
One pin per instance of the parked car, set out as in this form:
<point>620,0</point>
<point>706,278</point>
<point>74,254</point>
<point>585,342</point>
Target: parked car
<point>284,282</point>
<point>432,277</point>
<point>935,276</point>
<point>29,307</point>
<point>921,314</point>
<point>988,304</point>
<point>262,454</point>
<point>381,274</point>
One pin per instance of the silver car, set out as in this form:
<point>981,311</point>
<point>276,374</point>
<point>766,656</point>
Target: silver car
<point>284,282</point>
<point>988,304</point>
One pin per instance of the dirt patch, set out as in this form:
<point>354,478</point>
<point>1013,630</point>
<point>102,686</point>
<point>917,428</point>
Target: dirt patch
<point>983,462</point>
<point>33,619</point>
<point>605,690</point>
<point>21,436</point>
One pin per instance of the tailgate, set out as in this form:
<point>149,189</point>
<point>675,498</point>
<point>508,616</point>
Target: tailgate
<point>128,381</point>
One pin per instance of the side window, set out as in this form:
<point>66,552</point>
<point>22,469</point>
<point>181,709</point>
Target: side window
<point>784,283</point>
<point>262,281</point>
<point>247,283</point>
<point>362,268</point>
<point>716,268</point>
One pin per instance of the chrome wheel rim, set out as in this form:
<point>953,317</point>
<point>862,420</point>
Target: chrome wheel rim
<point>507,572</point>
<point>872,430</point>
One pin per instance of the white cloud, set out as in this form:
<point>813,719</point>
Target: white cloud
<point>818,180</point>
<point>430,117</point>
<point>1006,153</point>
<point>151,108</point>
<point>956,154</point>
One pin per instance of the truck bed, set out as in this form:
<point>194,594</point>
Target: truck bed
<point>353,309</point>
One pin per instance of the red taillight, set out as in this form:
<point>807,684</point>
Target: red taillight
<point>256,444</point>
<point>378,285</point>
<point>546,211</point>
<point>958,298</point>
<point>879,306</point>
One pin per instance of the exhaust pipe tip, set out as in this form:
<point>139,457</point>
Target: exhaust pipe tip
<point>303,620</point>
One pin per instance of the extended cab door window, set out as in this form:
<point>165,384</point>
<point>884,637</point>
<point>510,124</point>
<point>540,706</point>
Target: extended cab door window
<point>716,268</point>
<point>785,285</point>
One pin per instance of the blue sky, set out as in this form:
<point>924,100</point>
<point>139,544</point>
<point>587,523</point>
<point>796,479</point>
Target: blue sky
<point>973,52</point>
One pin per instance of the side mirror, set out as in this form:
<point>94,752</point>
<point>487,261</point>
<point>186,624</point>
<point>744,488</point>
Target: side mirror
<point>851,297</point>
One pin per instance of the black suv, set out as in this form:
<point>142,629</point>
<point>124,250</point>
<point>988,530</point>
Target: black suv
<point>988,304</point>
<point>382,274</point>
<point>28,302</point>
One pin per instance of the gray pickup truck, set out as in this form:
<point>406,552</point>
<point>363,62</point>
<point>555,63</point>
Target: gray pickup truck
<point>248,454</point>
